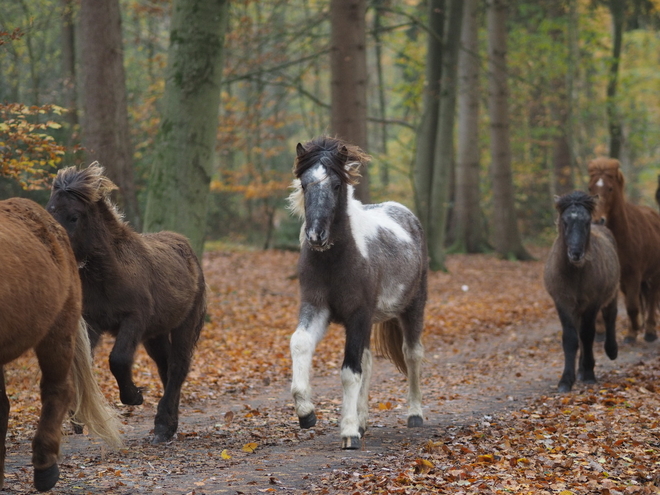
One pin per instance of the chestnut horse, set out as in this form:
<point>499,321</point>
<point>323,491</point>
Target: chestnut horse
<point>145,288</point>
<point>40,308</point>
<point>637,233</point>
<point>582,276</point>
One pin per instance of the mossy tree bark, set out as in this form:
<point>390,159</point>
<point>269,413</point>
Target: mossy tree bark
<point>185,148</point>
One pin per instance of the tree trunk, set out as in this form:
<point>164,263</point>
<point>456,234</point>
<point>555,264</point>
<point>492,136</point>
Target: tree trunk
<point>105,129</point>
<point>505,227</point>
<point>426,136</point>
<point>444,143</point>
<point>469,227</point>
<point>348,85</point>
<point>70,92</point>
<point>617,10</point>
<point>382,102</point>
<point>184,158</point>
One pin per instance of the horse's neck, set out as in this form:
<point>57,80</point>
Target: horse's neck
<point>618,221</point>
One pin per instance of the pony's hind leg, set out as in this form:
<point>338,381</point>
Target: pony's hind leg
<point>412,323</point>
<point>313,323</point>
<point>609,313</point>
<point>158,349</point>
<point>650,334</point>
<point>54,354</point>
<point>183,338</point>
<point>4,421</point>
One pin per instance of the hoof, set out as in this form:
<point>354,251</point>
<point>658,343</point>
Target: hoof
<point>307,421</point>
<point>650,337</point>
<point>131,399</point>
<point>350,443</point>
<point>564,387</point>
<point>77,428</point>
<point>629,339</point>
<point>612,351</point>
<point>415,421</point>
<point>45,479</point>
<point>163,434</point>
<point>362,431</point>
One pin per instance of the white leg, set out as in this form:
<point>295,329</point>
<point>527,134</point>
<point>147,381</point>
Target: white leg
<point>414,356</point>
<point>311,329</point>
<point>350,433</point>
<point>363,399</point>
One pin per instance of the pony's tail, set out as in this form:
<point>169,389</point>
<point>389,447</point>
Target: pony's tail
<point>90,407</point>
<point>388,342</point>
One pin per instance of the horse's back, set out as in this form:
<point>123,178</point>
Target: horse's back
<point>642,249</point>
<point>38,275</point>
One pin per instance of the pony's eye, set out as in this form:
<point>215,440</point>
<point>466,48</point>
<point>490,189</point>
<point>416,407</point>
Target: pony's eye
<point>337,187</point>
<point>73,218</point>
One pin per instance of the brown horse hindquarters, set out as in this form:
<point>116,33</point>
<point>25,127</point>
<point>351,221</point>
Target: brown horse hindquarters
<point>41,301</point>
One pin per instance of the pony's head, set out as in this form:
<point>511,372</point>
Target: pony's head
<point>75,193</point>
<point>575,212</point>
<point>326,170</point>
<point>605,181</point>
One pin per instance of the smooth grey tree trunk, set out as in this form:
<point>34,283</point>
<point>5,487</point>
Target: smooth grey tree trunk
<point>428,129</point>
<point>470,235</point>
<point>106,136</point>
<point>505,227</point>
<point>185,148</point>
<point>444,143</point>
<point>348,84</point>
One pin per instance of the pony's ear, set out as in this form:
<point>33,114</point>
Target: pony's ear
<point>300,150</point>
<point>619,177</point>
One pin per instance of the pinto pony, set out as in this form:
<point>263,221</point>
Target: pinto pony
<point>637,233</point>
<point>582,276</point>
<point>359,265</point>
<point>145,288</point>
<point>40,308</point>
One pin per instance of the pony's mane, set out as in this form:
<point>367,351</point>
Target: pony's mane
<point>576,198</point>
<point>604,165</point>
<point>88,185</point>
<point>337,156</point>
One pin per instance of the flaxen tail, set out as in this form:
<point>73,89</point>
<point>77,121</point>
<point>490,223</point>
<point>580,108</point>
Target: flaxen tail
<point>388,342</point>
<point>90,407</point>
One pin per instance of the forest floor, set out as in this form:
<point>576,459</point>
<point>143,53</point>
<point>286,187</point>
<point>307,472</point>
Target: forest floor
<point>494,422</point>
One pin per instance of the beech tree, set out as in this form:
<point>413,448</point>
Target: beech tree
<point>185,147</point>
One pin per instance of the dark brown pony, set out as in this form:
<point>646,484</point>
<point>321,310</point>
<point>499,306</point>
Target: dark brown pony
<point>637,233</point>
<point>582,276</point>
<point>40,308</point>
<point>145,288</point>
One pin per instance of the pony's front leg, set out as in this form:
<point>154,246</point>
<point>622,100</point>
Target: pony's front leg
<point>4,421</point>
<point>358,332</point>
<point>587,334</point>
<point>121,362</point>
<point>312,325</point>
<point>570,343</point>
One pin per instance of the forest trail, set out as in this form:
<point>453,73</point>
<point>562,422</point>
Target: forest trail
<point>470,378</point>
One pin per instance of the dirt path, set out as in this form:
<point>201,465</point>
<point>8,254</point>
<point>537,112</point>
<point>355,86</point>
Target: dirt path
<point>489,376</point>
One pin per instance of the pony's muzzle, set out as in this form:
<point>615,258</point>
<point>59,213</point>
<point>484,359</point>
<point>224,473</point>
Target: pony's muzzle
<point>317,238</point>
<point>576,257</point>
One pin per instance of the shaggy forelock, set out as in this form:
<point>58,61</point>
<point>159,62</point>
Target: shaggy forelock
<point>576,198</point>
<point>334,155</point>
<point>603,165</point>
<point>88,185</point>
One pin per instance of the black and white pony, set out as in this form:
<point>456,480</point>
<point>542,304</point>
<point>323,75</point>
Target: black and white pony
<point>360,265</point>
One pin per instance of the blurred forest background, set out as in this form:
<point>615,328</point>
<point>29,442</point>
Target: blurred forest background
<point>580,78</point>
